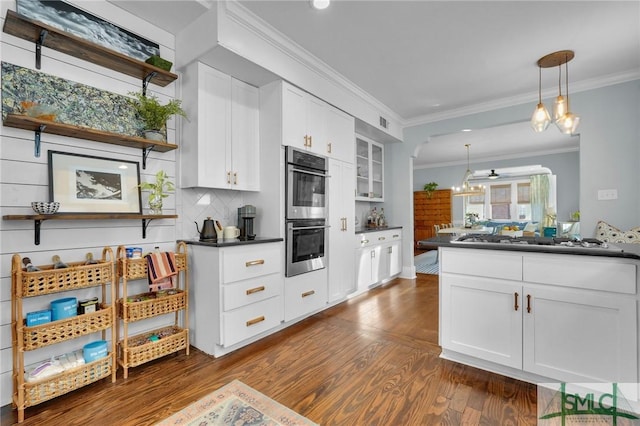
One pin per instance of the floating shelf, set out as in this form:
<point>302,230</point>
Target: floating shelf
<point>43,126</point>
<point>54,38</point>
<point>39,218</point>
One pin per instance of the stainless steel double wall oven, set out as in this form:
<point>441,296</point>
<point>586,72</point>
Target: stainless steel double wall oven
<point>306,211</point>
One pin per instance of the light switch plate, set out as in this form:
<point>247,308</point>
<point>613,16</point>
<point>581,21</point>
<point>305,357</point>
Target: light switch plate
<point>607,194</point>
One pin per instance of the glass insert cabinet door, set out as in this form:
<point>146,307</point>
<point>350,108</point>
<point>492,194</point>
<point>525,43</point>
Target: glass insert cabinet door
<point>369,170</point>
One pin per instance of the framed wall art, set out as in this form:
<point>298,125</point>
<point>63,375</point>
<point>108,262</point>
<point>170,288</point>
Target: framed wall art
<point>88,184</point>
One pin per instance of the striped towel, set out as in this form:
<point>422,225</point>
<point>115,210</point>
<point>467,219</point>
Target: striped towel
<point>162,268</point>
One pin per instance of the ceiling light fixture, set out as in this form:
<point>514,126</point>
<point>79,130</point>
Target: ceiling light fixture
<point>566,121</point>
<point>467,189</point>
<point>493,175</point>
<point>320,4</point>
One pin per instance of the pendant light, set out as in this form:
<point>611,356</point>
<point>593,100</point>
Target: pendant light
<point>540,119</point>
<point>465,189</point>
<point>566,121</point>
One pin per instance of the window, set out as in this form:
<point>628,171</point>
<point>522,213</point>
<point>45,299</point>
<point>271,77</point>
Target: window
<point>508,200</point>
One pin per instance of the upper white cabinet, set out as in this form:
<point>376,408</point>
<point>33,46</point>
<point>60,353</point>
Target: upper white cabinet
<point>369,170</point>
<point>309,123</point>
<point>220,147</point>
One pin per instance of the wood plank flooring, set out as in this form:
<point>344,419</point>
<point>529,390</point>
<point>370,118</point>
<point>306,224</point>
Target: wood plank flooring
<point>372,360</point>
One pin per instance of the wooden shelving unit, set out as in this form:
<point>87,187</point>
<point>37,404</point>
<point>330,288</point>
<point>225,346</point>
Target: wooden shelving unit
<point>39,218</point>
<point>48,281</point>
<point>45,35</point>
<point>136,350</point>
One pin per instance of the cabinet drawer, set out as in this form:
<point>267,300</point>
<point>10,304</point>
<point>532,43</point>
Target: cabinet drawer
<point>250,291</point>
<point>241,263</point>
<point>369,239</point>
<point>248,321</point>
<point>303,297</point>
<point>482,263</point>
<point>587,272</point>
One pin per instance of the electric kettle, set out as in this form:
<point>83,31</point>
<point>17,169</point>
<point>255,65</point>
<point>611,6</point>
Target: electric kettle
<point>208,230</point>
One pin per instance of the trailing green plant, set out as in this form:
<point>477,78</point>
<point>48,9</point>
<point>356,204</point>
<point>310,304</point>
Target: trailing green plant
<point>152,113</point>
<point>158,189</point>
<point>430,187</point>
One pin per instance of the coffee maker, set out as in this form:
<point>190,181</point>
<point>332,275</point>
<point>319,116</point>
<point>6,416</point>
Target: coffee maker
<point>246,214</point>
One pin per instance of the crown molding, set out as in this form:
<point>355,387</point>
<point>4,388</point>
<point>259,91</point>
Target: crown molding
<point>576,87</point>
<point>243,17</point>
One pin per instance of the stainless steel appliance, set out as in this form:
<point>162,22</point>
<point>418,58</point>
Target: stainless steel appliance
<point>549,243</point>
<point>306,185</point>
<point>306,243</point>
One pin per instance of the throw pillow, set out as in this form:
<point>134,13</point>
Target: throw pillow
<point>611,234</point>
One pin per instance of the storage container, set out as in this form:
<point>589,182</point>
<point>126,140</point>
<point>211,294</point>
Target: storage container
<point>87,306</point>
<point>64,308</point>
<point>38,317</point>
<point>94,350</point>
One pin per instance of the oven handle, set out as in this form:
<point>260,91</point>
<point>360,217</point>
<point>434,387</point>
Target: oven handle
<point>295,228</point>
<point>293,169</point>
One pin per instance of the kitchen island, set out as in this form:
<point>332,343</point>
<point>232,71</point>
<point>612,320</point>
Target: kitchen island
<point>541,312</point>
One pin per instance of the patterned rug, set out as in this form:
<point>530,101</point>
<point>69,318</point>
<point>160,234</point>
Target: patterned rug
<point>427,263</point>
<point>236,404</point>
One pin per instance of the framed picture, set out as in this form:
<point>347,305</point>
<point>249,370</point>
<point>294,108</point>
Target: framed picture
<point>87,184</point>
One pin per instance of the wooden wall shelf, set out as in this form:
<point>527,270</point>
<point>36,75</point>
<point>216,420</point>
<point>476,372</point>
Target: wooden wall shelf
<point>39,218</point>
<point>40,126</point>
<point>54,38</point>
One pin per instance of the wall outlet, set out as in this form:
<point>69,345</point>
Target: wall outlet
<point>607,194</point>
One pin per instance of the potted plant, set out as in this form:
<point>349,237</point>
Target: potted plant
<point>429,188</point>
<point>155,115</point>
<point>157,191</point>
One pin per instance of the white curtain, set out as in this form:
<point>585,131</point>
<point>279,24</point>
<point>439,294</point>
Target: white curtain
<point>539,196</point>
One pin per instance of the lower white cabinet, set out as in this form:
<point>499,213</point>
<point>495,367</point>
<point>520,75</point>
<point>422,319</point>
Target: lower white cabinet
<point>378,257</point>
<point>567,330</point>
<point>237,294</point>
<point>305,294</point>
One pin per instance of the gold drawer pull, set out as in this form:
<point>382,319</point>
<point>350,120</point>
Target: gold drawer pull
<point>255,321</point>
<point>255,290</point>
<point>396,235</point>
<point>382,238</point>
<point>254,262</point>
<point>364,241</point>
<point>308,293</point>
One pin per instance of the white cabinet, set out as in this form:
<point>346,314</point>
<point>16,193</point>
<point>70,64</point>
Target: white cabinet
<point>220,146</point>
<point>540,314</point>
<point>305,294</point>
<point>237,295</point>
<point>341,231</point>
<point>378,257</point>
<point>369,170</point>
<point>309,123</point>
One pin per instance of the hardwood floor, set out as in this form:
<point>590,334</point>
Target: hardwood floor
<point>372,360</point>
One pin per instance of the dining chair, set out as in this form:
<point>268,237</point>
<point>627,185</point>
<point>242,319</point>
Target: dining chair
<point>436,229</point>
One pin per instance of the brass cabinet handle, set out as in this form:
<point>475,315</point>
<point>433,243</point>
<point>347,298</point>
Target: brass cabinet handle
<point>364,241</point>
<point>382,238</point>
<point>228,177</point>
<point>515,301</point>
<point>390,250</point>
<point>254,262</point>
<point>255,321</point>
<point>308,293</point>
<point>255,290</point>
<point>329,147</point>
<point>528,303</point>
<point>306,140</point>
<point>310,141</point>
<point>396,235</point>
<point>235,178</point>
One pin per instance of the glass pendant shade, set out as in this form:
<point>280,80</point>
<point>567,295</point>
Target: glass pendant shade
<point>559,107</point>
<point>540,119</point>
<point>568,123</point>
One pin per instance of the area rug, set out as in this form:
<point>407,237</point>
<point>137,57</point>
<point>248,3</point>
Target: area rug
<point>427,263</point>
<point>236,404</point>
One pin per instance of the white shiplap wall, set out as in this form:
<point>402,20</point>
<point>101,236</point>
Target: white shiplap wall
<point>23,178</point>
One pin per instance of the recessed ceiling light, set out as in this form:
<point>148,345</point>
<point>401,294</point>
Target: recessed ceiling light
<point>320,4</point>
<point>466,130</point>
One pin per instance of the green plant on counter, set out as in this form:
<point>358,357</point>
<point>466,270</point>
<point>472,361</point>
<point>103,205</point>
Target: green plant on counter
<point>153,114</point>
<point>429,188</point>
<point>575,216</point>
<point>157,191</point>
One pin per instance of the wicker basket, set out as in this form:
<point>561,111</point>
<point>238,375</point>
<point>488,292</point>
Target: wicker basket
<point>134,311</point>
<point>137,268</point>
<point>50,280</point>
<point>139,350</point>
<point>51,387</point>
<point>66,329</point>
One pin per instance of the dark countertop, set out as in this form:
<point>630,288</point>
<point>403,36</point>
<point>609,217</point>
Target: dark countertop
<point>360,230</point>
<point>629,251</point>
<point>234,242</point>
